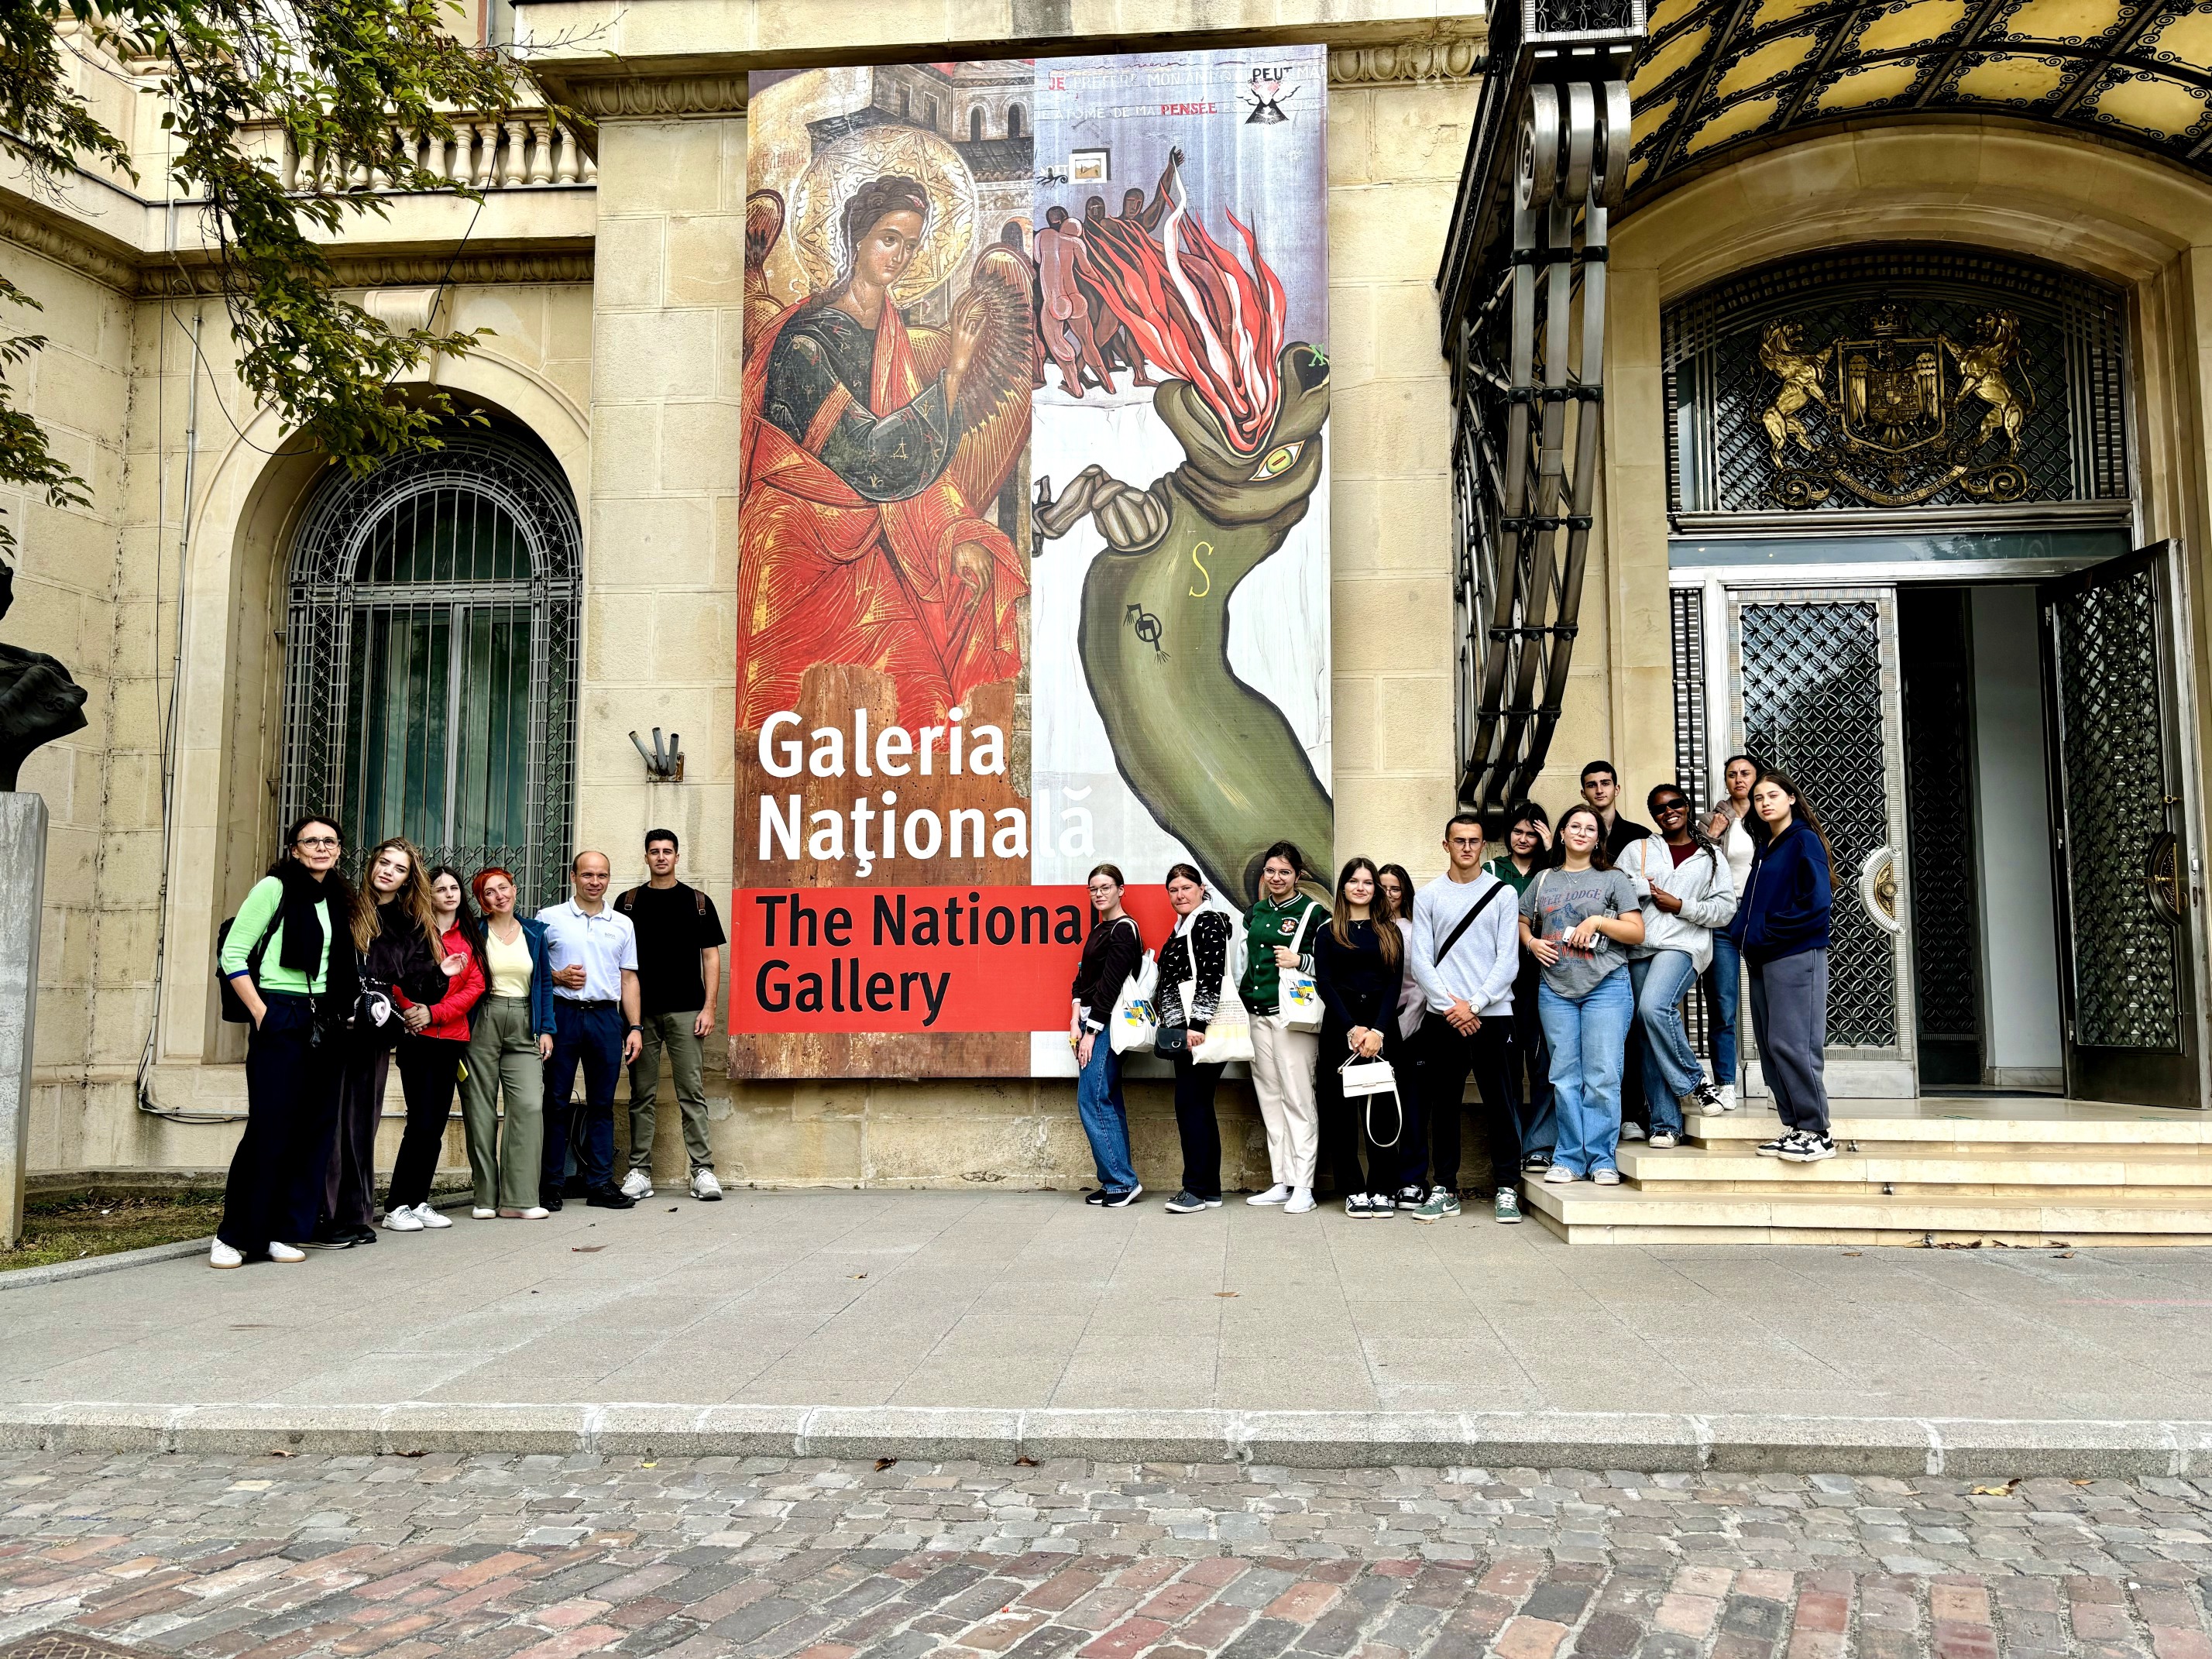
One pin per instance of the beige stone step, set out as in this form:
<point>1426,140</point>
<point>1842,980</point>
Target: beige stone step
<point>1583,1213</point>
<point>2093,1165</point>
<point>1994,1122</point>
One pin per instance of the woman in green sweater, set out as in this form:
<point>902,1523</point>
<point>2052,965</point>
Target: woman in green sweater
<point>279,959</point>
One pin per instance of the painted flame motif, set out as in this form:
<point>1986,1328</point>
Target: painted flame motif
<point>1197,314</point>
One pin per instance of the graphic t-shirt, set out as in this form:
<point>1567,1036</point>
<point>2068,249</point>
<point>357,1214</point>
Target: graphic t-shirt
<point>1556,902</point>
<point>674,925</point>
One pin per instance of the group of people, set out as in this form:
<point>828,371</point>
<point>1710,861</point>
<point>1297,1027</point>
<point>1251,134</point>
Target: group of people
<point>338,983</point>
<point>1552,972</point>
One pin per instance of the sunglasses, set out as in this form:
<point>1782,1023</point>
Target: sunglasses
<point>1677,805</point>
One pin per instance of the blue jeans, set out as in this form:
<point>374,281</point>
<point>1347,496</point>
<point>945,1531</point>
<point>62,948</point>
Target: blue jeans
<point>1723,991</point>
<point>1670,1065</point>
<point>1098,1103</point>
<point>593,1038</point>
<point>1587,1038</point>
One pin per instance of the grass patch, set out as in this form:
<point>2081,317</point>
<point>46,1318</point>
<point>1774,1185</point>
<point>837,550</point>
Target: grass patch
<point>68,1226</point>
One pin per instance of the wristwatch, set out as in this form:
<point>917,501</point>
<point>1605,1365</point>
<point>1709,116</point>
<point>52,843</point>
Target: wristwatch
<point>637,1028</point>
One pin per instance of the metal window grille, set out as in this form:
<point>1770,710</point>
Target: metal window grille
<point>431,668</point>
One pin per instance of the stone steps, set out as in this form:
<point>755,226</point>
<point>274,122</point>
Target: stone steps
<point>2035,1172</point>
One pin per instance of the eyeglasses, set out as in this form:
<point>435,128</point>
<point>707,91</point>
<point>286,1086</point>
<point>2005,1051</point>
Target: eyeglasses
<point>316,841</point>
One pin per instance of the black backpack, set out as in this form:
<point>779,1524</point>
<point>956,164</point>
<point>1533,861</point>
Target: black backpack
<point>233,1007</point>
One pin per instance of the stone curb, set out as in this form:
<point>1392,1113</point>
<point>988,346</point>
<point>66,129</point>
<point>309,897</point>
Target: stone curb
<point>1646,1441</point>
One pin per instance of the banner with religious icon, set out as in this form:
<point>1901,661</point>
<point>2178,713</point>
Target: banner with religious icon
<point>1033,568</point>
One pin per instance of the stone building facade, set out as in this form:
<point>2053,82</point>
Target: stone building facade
<point>610,276</point>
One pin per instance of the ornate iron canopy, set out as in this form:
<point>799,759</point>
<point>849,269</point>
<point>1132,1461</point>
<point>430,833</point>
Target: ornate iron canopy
<point>1523,306</point>
<point>1719,74</point>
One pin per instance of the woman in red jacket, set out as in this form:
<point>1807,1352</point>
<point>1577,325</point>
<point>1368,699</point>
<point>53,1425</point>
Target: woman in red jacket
<point>430,1055</point>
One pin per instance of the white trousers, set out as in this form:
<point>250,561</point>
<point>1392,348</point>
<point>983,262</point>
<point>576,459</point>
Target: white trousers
<point>1283,1077</point>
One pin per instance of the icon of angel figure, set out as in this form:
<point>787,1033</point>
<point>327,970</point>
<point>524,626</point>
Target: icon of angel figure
<point>875,449</point>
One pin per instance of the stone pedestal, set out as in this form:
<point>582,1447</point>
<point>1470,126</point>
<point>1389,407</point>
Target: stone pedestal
<point>22,883</point>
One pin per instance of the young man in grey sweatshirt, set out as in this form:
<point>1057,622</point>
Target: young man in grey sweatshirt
<point>1464,951</point>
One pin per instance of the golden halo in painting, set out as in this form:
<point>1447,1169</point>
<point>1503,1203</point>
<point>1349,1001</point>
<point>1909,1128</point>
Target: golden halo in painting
<point>818,205</point>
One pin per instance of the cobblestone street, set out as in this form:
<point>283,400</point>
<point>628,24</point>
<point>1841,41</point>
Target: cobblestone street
<point>497,1557</point>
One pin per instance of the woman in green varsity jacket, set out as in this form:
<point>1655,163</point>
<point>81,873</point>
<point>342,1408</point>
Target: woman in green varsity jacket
<point>1279,935</point>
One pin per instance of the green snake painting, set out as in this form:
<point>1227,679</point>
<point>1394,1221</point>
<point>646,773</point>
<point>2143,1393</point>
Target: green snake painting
<point>1216,763</point>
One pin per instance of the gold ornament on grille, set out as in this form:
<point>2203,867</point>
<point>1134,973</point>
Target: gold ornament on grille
<point>1893,419</point>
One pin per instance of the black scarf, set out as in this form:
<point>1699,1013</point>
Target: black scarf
<point>303,949</point>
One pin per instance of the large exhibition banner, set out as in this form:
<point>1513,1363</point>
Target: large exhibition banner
<point>1033,568</point>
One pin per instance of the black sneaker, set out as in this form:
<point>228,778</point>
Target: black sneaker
<point>1374,1207</point>
<point>330,1237</point>
<point>1187,1202</point>
<point>1123,1200</point>
<point>1776,1147</point>
<point>1807,1149</point>
<point>1707,1096</point>
<point>1536,1163</point>
<point>609,1198</point>
<point>549,1198</point>
<point>1411,1198</point>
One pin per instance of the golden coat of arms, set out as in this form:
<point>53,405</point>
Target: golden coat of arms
<point>1894,418</point>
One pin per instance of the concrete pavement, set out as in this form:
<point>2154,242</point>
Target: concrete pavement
<point>1028,1321</point>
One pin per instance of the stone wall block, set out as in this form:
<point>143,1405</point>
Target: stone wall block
<point>1417,724</point>
<point>706,260</point>
<point>647,168</point>
<point>1383,623</point>
<point>1391,428</point>
<point>650,356</point>
<point>634,537</point>
<point>1420,131</point>
<point>1351,120</point>
<point>627,264</point>
<point>1389,233</point>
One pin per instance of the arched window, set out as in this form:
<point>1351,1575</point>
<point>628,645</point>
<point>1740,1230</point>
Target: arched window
<point>431,676</point>
<point>975,125</point>
<point>1014,121</point>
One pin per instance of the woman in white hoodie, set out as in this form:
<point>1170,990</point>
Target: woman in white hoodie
<point>1682,876</point>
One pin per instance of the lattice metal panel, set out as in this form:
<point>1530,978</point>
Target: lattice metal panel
<point>431,684</point>
<point>1939,812</point>
<point>1813,706</point>
<point>1691,762</point>
<point>1884,380</point>
<point>2126,978</point>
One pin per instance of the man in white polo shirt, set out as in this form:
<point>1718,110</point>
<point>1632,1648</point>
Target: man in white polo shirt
<point>592,953</point>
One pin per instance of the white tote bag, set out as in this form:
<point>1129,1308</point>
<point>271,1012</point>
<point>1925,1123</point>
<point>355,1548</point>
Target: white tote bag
<point>1299,1001</point>
<point>1136,1022</point>
<point>1229,1036</point>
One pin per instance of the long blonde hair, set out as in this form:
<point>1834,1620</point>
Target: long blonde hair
<point>414,896</point>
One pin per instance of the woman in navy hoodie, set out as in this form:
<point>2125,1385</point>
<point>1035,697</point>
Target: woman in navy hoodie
<point>1781,926</point>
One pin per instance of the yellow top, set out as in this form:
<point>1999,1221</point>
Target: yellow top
<point>509,964</point>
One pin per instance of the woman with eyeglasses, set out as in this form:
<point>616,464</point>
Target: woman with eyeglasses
<point>278,960</point>
<point>1782,927</point>
<point>1527,845</point>
<point>1111,955</point>
<point>508,1046</point>
<point>431,1052</point>
<point>395,938</point>
<point>1682,877</point>
<point>1730,825</point>
<point>1579,918</point>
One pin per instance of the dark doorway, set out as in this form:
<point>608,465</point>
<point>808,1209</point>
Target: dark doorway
<point>1933,634</point>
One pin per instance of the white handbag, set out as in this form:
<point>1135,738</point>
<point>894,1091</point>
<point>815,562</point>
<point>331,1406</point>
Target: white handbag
<point>1369,1080</point>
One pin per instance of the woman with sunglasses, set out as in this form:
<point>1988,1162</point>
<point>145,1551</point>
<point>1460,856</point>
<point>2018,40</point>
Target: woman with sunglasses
<point>1682,877</point>
<point>1730,825</point>
<point>508,1046</point>
<point>1579,918</point>
<point>278,960</point>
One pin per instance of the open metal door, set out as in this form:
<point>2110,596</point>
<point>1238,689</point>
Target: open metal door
<point>2121,832</point>
<point>1818,696</point>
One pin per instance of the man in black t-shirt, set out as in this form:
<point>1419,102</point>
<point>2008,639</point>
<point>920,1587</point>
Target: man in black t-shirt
<point>679,969</point>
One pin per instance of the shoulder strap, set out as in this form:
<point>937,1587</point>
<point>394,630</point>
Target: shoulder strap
<point>699,901</point>
<point>625,900</point>
<point>1467,920</point>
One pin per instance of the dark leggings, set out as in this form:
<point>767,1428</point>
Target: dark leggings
<point>430,1070</point>
<point>1347,1125</point>
<point>1197,1127</point>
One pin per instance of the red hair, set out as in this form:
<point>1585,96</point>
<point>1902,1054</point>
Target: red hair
<point>477,886</point>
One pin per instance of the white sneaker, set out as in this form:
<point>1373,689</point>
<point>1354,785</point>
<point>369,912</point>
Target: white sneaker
<point>286,1253</point>
<point>1727,1102</point>
<point>1557,1176</point>
<point>637,1184</point>
<point>1278,1193</point>
<point>1632,1131</point>
<point>705,1188</point>
<point>1301,1201</point>
<point>222,1256</point>
<point>535,1212</point>
<point>430,1218</point>
<point>402,1220</point>
<point>481,1213</point>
